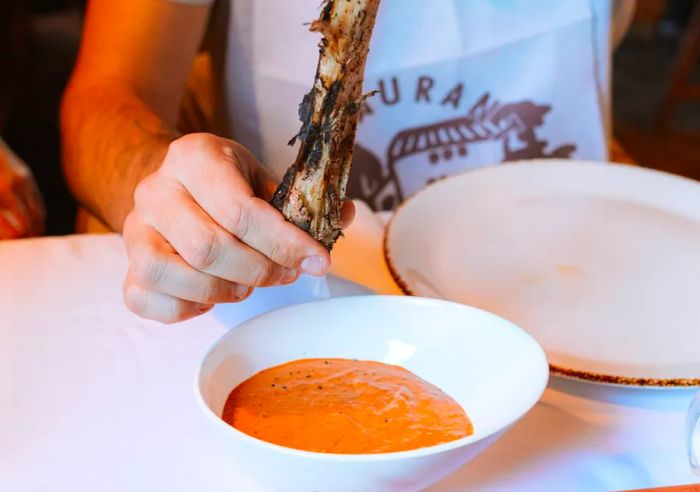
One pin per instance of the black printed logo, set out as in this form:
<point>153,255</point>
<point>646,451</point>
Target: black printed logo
<point>417,156</point>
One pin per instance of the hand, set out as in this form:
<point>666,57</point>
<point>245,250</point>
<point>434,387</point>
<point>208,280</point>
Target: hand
<point>21,206</point>
<point>201,232</point>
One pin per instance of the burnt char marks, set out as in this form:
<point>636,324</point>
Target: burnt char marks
<point>318,134</point>
<point>312,148</point>
<point>329,101</point>
<point>306,109</point>
<point>327,11</point>
<point>312,192</point>
<point>282,191</point>
<point>314,134</point>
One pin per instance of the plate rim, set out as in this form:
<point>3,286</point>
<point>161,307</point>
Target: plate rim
<point>555,369</point>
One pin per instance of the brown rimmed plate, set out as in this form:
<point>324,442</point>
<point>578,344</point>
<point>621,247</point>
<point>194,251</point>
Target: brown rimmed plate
<point>600,263</point>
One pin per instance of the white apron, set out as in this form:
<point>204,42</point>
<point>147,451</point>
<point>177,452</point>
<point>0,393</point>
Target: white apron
<point>463,84</point>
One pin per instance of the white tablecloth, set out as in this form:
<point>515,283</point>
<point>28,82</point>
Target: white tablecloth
<point>93,398</point>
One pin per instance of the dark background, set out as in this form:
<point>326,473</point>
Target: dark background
<point>35,63</point>
<point>39,40</point>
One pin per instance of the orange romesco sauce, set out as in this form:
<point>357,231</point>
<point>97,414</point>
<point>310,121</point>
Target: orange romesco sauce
<point>344,406</point>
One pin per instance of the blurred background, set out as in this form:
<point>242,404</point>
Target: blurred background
<point>656,89</point>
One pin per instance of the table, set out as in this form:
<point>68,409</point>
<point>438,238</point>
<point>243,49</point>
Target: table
<point>93,398</point>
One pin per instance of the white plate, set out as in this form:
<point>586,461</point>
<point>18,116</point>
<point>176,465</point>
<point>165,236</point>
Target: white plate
<point>600,263</point>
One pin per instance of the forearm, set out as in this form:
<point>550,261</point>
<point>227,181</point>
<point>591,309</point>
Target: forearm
<point>111,141</point>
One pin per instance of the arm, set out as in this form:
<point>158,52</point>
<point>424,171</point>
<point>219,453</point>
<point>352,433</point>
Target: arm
<point>118,114</point>
<point>195,231</point>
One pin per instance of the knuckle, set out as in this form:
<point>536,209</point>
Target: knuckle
<point>179,145</point>
<point>261,272</point>
<point>238,219</point>
<point>140,301</point>
<point>178,152</point>
<point>134,299</point>
<point>179,311</point>
<point>147,266</point>
<point>190,142</point>
<point>205,252</point>
<point>186,150</point>
<point>211,292</point>
<point>144,190</point>
<point>283,252</point>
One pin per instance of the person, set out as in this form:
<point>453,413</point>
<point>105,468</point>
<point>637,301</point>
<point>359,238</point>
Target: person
<point>192,207</point>
<point>21,206</point>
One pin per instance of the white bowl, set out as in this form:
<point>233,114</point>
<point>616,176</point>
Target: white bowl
<point>491,367</point>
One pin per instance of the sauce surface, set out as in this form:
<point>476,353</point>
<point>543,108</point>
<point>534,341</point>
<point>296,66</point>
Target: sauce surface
<point>344,406</point>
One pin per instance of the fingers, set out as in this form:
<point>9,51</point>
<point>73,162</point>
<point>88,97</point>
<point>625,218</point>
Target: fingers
<point>8,226</point>
<point>235,208</point>
<point>20,202</point>
<point>202,243</point>
<point>199,234</point>
<point>160,307</point>
<point>17,218</point>
<point>28,194</point>
<point>155,266</point>
<point>16,223</point>
<point>347,214</point>
<point>264,185</point>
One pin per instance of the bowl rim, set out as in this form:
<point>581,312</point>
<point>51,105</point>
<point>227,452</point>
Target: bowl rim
<point>482,434</point>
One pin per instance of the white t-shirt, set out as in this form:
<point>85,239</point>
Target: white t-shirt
<point>463,84</point>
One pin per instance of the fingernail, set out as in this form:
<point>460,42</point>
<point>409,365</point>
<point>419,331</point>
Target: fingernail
<point>314,265</point>
<point>289,275</point>
<point>241,291</point>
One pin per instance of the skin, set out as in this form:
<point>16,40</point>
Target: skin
<point>192,209</point>
<point>21,206</point>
